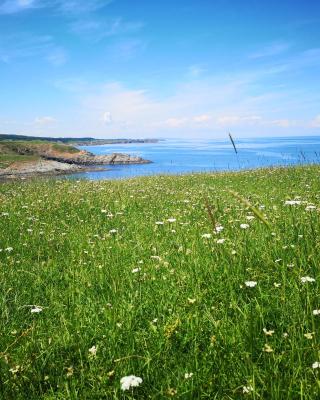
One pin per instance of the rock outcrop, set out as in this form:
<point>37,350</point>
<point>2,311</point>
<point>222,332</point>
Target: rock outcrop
<point>41,167</point>
<point>86,158</point>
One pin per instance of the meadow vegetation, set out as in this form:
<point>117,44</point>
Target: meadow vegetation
<point>20,151</point>
<point>203,286</point>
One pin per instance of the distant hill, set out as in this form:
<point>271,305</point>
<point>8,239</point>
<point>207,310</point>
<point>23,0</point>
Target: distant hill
<point>76,141</point>
<point>33,157</point>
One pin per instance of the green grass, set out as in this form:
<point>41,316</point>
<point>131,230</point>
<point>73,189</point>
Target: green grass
<point>12,151</point>
<point>186,310</point>
<point>7,159</point>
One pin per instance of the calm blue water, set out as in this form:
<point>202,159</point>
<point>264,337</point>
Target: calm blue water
<point>182,156</point>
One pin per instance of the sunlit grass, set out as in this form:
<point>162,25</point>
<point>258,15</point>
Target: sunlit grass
<point>172,279</point>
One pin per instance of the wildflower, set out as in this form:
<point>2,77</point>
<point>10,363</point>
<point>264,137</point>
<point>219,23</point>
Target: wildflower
<point>36,309</point>
<point>250,284</point>
<point>93,351</point>
<point>159,223</point>
<point>305,279</point>
<point>213,340</point>
<point>247,389</point>
<point>285,335</point>
<point>316,312</point>
<point>276,285</point>
<point>135,270</point>
<point>267,348</point>
<point>188,375</point>
<point>244,226</point>
<point>316,364</point>
<point>110,373</point>
<point>220,241</point>
<point>8,249</point>
<point>15,370</point>
<point>267,333</point>
<point>69,371</point>
<point>130,381</point>
<point>171,392</point>
<point>310,207</point>
<point>206,235</point>
<point>113,231</point>
<point>309,335</point>
<point>292,202</point>
<point>250,217</point>
<point>171,220</point>
<point>191,301</point>
<point>218,228</point>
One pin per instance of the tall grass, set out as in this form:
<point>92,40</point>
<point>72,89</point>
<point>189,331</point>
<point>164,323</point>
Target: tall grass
<point>135,278</point>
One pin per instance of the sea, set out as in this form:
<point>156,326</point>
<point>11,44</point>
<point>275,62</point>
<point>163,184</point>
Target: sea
<point>181,156</point>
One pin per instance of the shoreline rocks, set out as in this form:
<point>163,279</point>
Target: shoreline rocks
<point>42,168</point>
<point>86,158</point>
<point>49,164</point>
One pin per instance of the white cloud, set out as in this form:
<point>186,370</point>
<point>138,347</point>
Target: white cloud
<point>57,57</point>
<point>97,29</point>
<point>315,123</point>
<point>273,49</point>
<point>25,45</point>
<point>107,117</point>
<point>126,49</point>
<point>198,107</point>
<point>202,118</point>
<point>282,123</point>
<point>231,120</point>
<point>176,122</point>
<point>15,6</point>
<point>208,105</point>
<point>195,71</point>
<point>61,6</point>
<point>45,120</point>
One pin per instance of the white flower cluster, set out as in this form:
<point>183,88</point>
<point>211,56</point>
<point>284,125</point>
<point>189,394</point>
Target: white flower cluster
<point>131,381</point>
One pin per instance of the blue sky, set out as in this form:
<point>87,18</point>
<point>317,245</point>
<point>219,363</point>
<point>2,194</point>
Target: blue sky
<point>142,68</point>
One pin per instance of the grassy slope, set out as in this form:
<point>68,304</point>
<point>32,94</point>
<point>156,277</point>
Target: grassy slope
<point>28,151</point>
<point>65,259</point>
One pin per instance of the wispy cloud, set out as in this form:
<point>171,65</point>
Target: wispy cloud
<point>57,57</point>
<point>195,71</point>
<point>315,122</point>
<point>25,45</point>
<point>61,6</point>
<point>45,120</point>
<point>125,49</point>
<point>199,106</point>
<point>16,6</point>
<point>202,118</point>
<point>273,49</point>
<point>97,29</point>
<point>107,117</point>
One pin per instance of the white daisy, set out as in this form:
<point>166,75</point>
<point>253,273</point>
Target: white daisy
<point>130,381</point>
<point>250,284</point>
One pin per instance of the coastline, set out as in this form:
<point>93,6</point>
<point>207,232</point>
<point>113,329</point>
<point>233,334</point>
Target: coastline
<point>44,168</point>
<point>57,165</point>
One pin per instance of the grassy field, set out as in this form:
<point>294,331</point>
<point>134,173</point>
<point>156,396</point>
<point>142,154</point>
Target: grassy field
<point>176,280</point>
<point>8,159</point>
